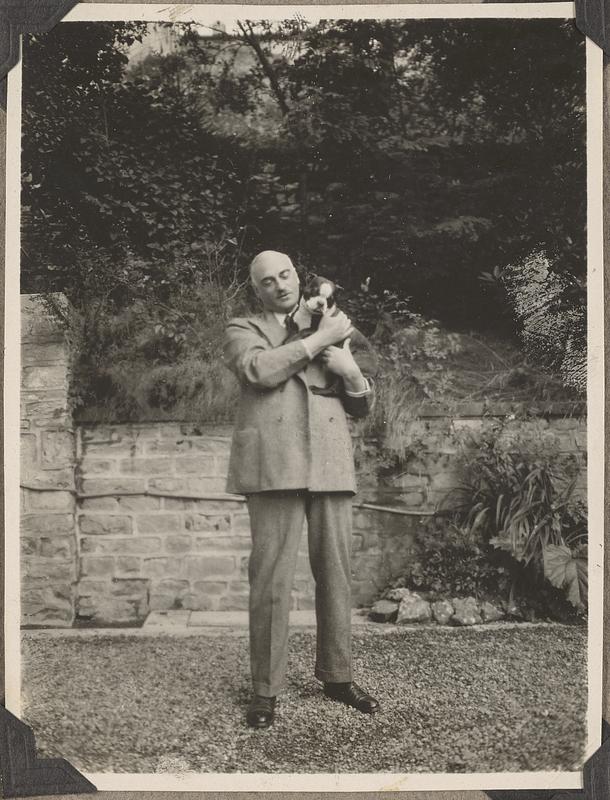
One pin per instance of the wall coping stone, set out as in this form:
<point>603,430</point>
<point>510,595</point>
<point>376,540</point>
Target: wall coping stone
<point>426,410</point>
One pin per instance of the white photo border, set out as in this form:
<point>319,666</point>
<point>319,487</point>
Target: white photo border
<point>320,782</point>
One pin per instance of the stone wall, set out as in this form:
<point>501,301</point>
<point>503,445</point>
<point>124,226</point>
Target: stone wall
<point>157,532</point>
<point>121,520</point>
<point>48,528</point>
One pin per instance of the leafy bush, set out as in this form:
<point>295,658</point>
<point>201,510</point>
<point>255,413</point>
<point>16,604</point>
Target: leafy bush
<point>518,496</point>
<point>454,561</point>
<point>151,349</point>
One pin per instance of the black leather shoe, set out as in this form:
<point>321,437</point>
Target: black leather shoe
<point>261,711</point>
<point>352,695</point>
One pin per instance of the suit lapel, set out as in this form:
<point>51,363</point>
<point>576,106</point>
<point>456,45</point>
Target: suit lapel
<point>271,329</point>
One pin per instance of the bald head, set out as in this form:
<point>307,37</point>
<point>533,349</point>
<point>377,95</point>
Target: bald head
<point>275,281</point>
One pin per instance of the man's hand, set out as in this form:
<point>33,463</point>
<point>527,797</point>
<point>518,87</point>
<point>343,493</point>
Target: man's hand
<point>340,361</point>
<point>334,328</point>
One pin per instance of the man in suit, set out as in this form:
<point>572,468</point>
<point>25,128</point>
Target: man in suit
<point>291,456</point>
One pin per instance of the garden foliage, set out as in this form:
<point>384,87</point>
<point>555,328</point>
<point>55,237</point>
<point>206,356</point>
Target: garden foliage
<point>369,149</point>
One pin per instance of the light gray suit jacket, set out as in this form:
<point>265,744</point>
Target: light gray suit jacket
<point>285,436</point>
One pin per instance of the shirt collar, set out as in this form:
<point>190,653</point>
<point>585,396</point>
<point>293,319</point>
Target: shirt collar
<point>281,317</point>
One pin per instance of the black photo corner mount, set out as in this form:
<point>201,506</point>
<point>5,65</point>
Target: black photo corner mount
<point>593,19</point>
<point>24,16</point>
<point>596,780</point>
<point>23,774</point>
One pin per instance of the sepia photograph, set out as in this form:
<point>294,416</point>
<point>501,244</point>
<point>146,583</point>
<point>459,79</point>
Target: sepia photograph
<point>307,312</point>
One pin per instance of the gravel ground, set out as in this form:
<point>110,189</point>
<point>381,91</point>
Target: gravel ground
<point>461,701</point>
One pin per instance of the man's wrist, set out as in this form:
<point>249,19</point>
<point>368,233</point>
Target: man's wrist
<point>355,382</point>
<point>316,342</point>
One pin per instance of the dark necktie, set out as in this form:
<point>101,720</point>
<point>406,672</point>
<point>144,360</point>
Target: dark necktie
<point>291,326</point>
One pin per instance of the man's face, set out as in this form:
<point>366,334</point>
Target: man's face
<point>275,282</point>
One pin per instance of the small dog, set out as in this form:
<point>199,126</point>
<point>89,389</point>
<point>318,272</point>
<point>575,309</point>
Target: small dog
<point>318,298</point>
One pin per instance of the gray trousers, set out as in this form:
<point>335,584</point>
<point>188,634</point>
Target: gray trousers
<point>276,522</point>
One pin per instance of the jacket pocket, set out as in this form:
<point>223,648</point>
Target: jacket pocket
<point>245,459</point>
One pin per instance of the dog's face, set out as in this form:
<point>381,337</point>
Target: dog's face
<point>319,294</point>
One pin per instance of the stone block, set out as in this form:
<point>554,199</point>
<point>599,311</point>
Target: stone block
<point>413,608</point>
<point>162,567</point>
<point>210,587</point>
<point>176,503</point>
<point>138,503</point>
<point>146,466</point>
<point>240,523</point>
<point>233,602</point>
<point>56,524</point>
<point>466,611</point>
<point>50,500</point>
<point>198,567</point>
<point>97,566</point>
<point>129,586</point>
<point>135,545</point>
<point>218,506</point>
<point>128,566</point>
<point>44,479</point>
<point>203,486</point>
<point>28,545</point>
<point>49,611</point>
<point>100,524</point>
<point>199,602</point>
<point>57,448</point>
<point>213,523</point>
<point>384,611</point>
<point>491,612</point>
<point>162,602</point>
<point>98,466</point>
<point>99,504</point>
<point>205,444</point>
<point>442,611</point>
<point>39,377</point>
<point>114,609</point>
<point>200,464</point>
<point>167,485</point>
<point>46,571</point>
<point>170,447</point>
<point>221,465</point>
<point>113,486</point>
<point>28,450</point>
<point>57,547</point>
<point>238,543</point>
<point>44,354</point>
<point>158,523</point>
<point>43,413</point>
<point>169,585</point>
<point>243,587</point>
<point>116,447</point>
<point>180,543</point>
